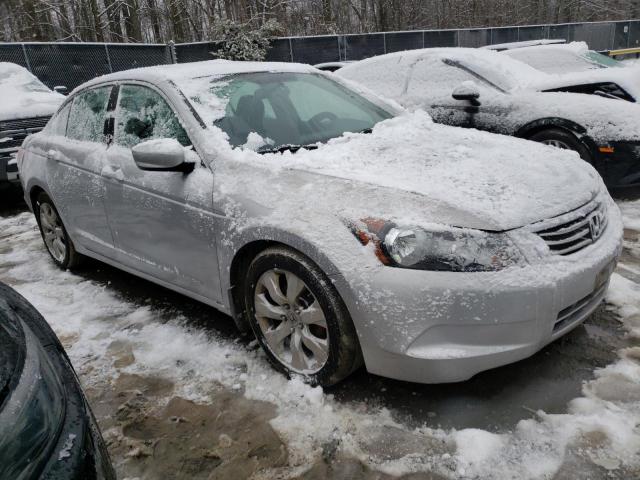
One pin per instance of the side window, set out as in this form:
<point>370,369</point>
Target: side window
<point>143,114</point>
<point>86,120</point>
<point>58,124</point>
<point>432,75</point>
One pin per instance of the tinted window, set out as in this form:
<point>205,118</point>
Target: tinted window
<point>58,124</point>
<point>86,120</point>
<point>144,115</point>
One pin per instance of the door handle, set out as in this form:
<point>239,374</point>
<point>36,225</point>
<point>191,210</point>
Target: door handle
<point>52,154</point>
<point>115,173</point>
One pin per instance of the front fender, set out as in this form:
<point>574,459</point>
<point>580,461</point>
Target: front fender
<point>333,250</point>
<point>551,122</point>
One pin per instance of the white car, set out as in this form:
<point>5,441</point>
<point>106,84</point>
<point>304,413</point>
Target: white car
<point>575,68</point>
<point>336,227</point>
<point>26,105</point>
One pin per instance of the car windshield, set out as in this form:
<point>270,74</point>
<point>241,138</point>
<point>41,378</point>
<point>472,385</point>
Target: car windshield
<point>269,111</point>
<point>555,60</point>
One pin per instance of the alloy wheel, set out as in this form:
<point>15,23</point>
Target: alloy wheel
<point>53,233</point>
<point>291,321</point>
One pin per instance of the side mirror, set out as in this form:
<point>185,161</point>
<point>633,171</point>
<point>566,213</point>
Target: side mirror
<point>60,89</point>
<point>467,91</point>
<point>161,155</point>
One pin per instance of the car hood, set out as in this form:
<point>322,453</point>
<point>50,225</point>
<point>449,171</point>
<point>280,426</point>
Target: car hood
<point>414,171</point>
<point>17,104</point>
<point>626,77</point>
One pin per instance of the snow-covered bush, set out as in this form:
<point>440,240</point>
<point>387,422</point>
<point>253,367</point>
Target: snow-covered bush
<point>244,41</point>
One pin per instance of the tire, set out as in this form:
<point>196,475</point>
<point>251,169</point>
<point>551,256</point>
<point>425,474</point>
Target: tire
<point>319,341</point>
<point>54,234</point>
<point>563,139</point>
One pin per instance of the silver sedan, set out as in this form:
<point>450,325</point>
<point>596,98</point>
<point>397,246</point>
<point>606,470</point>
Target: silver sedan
<point>338,228</point>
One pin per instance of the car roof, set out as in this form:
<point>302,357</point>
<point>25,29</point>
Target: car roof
<point>184,71</point>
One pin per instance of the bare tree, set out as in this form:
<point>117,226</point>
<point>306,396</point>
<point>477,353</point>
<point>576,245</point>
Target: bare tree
<point>194,20</point>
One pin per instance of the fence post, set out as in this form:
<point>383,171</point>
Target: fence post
<point>172,51</point>
<point>26,57</point>
<point>106,50</point>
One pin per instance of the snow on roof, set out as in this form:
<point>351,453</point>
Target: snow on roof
<point>186,71</point>
<point>500,69</point>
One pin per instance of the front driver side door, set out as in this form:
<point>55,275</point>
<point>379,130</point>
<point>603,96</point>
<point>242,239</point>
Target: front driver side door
<point>162,221</point>
<point>435,78</point>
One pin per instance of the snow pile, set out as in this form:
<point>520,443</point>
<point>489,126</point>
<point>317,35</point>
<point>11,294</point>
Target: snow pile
<point>22,95</point>
<point>631,214</point>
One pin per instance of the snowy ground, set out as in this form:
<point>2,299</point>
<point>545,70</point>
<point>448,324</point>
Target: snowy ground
<point>177,395</point>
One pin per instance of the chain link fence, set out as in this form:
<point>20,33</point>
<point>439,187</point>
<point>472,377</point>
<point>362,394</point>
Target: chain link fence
<point>71,64</point>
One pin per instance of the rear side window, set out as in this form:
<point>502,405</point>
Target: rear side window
<point>58,124</point>
<point>86,120</point>
<point>142,115</point>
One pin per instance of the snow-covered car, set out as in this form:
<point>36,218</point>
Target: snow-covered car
<point>336,226</point>
<point>26,105</point>
<point>490,91</point>
<point>575,68</point>
<point>47,429</point>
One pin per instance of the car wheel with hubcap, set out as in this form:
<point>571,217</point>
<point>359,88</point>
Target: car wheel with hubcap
<point>563,139</point>
<point>298,317</point>
<point>54,234</point>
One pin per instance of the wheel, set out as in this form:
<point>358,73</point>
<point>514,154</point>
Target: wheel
<point>298,317</point>
<point>54,234</point>
<point>558,138</point>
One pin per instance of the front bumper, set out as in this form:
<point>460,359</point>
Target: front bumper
<point>436,327</point>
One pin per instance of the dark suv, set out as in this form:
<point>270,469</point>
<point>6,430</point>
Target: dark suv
<point>26,107</point>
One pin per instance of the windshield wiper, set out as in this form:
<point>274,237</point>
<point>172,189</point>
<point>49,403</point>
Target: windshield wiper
<point>285,148</point>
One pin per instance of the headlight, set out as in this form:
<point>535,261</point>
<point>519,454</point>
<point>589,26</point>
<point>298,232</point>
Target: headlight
<point>439,248</point>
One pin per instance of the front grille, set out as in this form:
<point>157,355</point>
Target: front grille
<point>576,231</point>
<point>579,310</point>
<point>13,132</point>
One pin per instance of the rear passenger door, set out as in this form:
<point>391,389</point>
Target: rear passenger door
<point>162,221</point>
<point>77,149</point>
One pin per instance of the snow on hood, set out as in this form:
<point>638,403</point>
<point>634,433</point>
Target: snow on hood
<point>413,170</point>
<point>628,78</point>
<point>22,95</point>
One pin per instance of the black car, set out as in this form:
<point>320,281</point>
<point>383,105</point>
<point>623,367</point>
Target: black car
<point>26,107</point>
<point>47,430</point>
<point>490,91</point>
